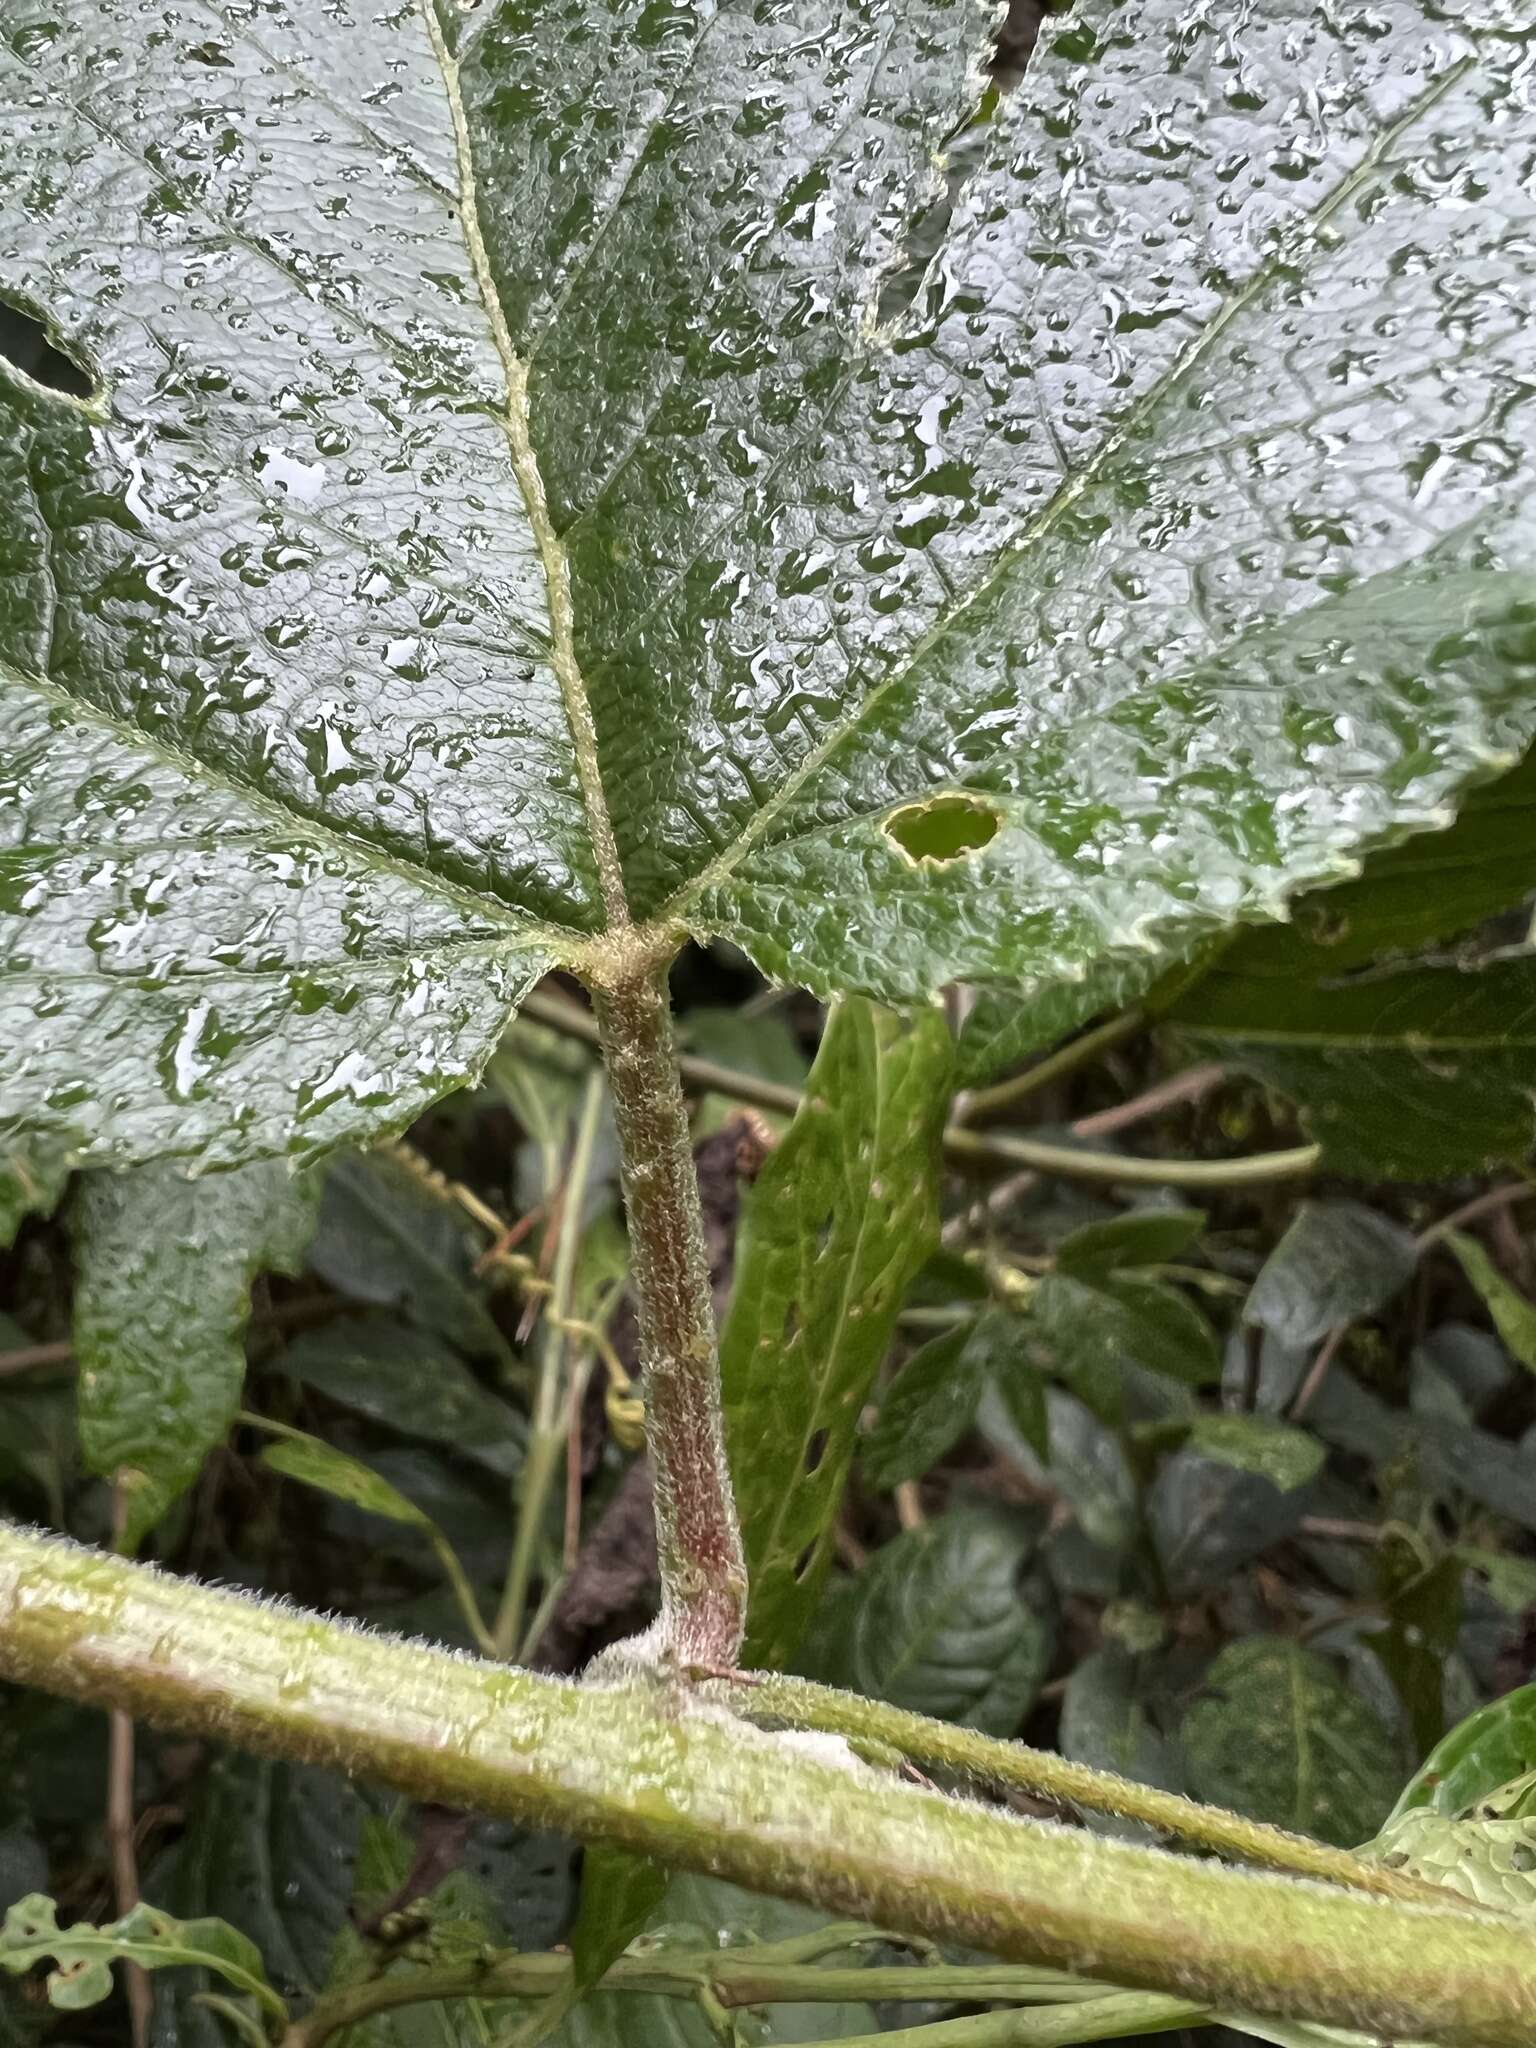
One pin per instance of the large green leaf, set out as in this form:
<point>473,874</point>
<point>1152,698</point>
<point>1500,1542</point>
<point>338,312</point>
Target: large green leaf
<point>841,1217</point>
<point>500,513</point>
<point>162,1296</point>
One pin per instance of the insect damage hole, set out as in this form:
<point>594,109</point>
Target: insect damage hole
<point>943,828</point>
<point>26,343</point>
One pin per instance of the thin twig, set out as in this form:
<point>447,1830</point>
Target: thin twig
<point>989,1151</point>
<point>1481,1205</point>
<point>980,1103</point>
<point>1318,1371</point>
<point>1188,1086</point>
<point>30,1355</point>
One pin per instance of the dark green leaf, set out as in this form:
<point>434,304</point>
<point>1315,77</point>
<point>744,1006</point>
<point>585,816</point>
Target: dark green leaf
<point>1208,1517</point>
<point>1277,1734</point>
<point>412,1381</point>
<point>1139,1237</point>
<point>1513,1316</point>
<point>385,1239</point>
<point>164,1267</point>
<point>703,1913</point>
<point>941,1620</point>
<point>1000,1347</point>
<point>1087,1465</point>
<point>1419,1074</point>
<point>1272,1450</point>
<point>925,1410</point>
<point>269,1848</point>
<point>1337,1261</point>
<point>841,1217</point>
<point>83,1955</point>
<point>1104,1722</point>
<point>507,538</point>
<point>1095,1327</point>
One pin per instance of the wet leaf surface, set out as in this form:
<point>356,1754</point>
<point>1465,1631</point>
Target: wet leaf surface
<point>498,513</point>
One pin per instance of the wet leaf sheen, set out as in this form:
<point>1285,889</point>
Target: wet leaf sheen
<point>497,513</point>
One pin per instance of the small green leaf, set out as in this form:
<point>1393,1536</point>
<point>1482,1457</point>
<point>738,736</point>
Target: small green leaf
<point>1278,1735</point>
<point>925,1410</point>
<point>1488,1854</point>
<point>1510,1580</point>
<point>1513,1316</point>
<point>1338,1260</point>
<point>164,1267</point>
<point>321,1465</point>
<point>1139,1237</point>
<point>841,1217</point>
<point>1286,1457</point>
<point>83,1955</point>
<point>703,1915</point>
<point>1490,1748</point>
<point>942,1620</point>
<point>413,1381</point>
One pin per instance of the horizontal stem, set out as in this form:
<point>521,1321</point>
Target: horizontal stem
<point>654,1768</point>
<point>1103,2019</point>
<point>1044,1774</point>
<point>982,1151</point>
<point>754,1975</point>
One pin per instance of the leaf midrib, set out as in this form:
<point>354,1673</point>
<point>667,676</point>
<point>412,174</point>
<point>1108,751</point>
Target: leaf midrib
<point>724,864</point>
<point>516,425</point>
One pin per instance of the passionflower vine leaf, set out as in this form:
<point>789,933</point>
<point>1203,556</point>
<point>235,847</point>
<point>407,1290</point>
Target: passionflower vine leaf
<point>510,506</point>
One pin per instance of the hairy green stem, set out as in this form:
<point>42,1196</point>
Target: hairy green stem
<point>653,1767</point>
<point>981,1151</point>
<point>798,1703</point>
<point>698,1540</point>
<point>734,1979</point>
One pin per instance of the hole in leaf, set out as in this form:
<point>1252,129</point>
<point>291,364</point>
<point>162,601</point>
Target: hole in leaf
<point>815,1450</point>
<point>25,342</point>
<point>943,828</point>
<point>805,1563</point>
